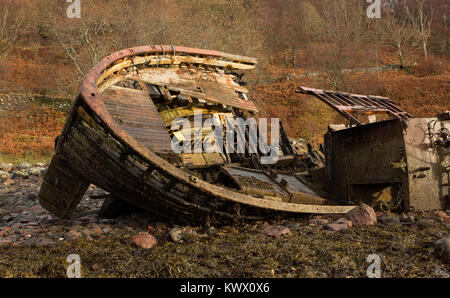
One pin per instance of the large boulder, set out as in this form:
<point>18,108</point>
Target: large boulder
<point>362,215</point>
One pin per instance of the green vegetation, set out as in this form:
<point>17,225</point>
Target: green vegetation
<point>28,156</point>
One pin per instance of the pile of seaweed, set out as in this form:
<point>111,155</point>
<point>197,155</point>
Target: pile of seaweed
<point>243,251</point>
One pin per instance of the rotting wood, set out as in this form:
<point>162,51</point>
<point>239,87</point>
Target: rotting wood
<point>113,138</point>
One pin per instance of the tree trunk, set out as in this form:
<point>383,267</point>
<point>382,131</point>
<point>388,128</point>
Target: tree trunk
<point>425,50</point>
<point>400,54</point>
<point>293,58</point>
<point>285,57</point>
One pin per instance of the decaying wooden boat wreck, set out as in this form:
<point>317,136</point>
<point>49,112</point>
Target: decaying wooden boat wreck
<point>119,132</point>
<point>120,136</point>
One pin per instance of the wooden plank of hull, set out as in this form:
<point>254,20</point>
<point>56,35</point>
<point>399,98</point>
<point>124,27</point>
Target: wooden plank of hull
<point>62,188</point>
<point>171,60</point>
<point>217,88</point>
<point>135,111</point>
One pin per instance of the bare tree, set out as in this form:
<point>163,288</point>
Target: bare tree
<point>421,18</point>
<point>396,31</point>
<point>345,22</point>
<point>85,41</point>
<point>11,28</point>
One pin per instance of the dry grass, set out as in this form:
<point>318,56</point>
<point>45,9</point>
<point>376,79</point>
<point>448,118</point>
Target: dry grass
<point>305,116</point>
<point>29,133</point>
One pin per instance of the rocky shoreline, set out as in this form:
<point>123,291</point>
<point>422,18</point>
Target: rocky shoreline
<point>26,227</point>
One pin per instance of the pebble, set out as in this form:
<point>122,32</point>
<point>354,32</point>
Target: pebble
<point>345,221</point>
<point>5,231</point>
<point>4,175</point>
<point>407,218</point>
<point>6,167</point>
<point>426,222</point>
<point>4,212</point>
<point>106,230</point>
<point>36,171</point>
<point>211,231</point>
<point>296,226</point>
<point>42,241</point>
<point>95,267</point>
<point>318,221</point>
<point>38,209</point>
<point>335,227</point>
<point>176,234</point>
<point>181,234</point>
<point>389,219</point>
<point>73,235</point>
<point>24,165</point>
<point>276,231</point>
<point>31,196</point>
<point>339,225</point>
<point>20,174</point>
<point>442,216</point>
<point>144,240</point>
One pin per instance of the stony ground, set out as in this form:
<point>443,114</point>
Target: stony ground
<point>35,244</point>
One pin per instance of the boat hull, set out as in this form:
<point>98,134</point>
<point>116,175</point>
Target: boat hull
<point>95,149</point>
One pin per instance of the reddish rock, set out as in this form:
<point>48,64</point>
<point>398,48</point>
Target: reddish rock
<point>442,216</point>
<point>73,235</point>
<point>407,217</point>
<point>362,215</point>
<point>318,221</point>
<point>345,221</point>
<point>5,231</point>
<point>5,242</point>
<point>96,231</point>
<point>340,225</point>
<point>95,267</point>
<point>276,231</point>
<point>37,209</point>
<point>144,240</point>
<point>337,226</point>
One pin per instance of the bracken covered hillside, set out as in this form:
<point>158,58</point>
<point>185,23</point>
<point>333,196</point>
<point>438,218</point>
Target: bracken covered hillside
<point>327,44</point>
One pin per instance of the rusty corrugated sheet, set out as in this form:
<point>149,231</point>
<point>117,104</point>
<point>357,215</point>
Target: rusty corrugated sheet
<point>348,103</point>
